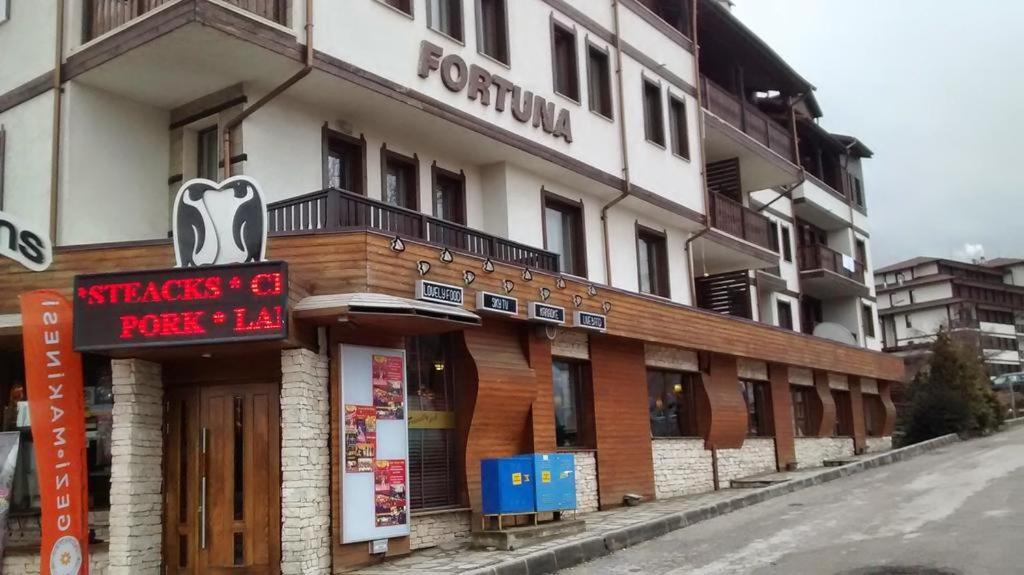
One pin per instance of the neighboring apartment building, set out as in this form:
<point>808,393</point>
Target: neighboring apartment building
<point>565,153</point>
<point>980,303</point>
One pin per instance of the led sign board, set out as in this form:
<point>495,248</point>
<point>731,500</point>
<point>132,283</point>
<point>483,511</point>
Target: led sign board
<point>182,306</point>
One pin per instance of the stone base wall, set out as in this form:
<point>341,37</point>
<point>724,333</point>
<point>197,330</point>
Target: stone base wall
<point>433,529</point>
<point>879,444</point>
<point>756,456</point>
<point>586,481</point>
<point>681,467</point>
<point>305,464</point>
<point>28,564</point>
<point>814,451</point>
<point>25,531</point>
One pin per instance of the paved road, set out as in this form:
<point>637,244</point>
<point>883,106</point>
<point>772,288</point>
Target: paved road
<point>958,510</point>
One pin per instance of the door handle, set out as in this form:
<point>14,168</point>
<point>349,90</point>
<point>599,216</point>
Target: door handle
<point>202,496</point>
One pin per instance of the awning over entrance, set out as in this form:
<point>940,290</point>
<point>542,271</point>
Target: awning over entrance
<point>10,330</point>
<point>411,316</point>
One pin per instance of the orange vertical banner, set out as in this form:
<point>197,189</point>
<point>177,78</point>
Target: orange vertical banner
<point>53,376</point>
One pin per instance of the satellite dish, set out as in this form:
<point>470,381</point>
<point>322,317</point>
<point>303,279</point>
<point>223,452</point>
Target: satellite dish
<point>835,332</point>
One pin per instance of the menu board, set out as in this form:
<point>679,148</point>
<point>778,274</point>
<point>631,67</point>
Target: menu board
<point>375,472</point>
<point>388,394</point>
<point>390,492</point>
<point>360,438</point>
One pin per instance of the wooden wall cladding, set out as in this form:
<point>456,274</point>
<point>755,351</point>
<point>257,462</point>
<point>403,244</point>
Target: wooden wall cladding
<point>782,415</point>
<point>505,394</point>
<point>728,413</point>
<point>362,261</point>
<point>860,439</point>
<point>542,414</point>
<point>885,393</point>
<point>625,462</point>
<point>826,412</point>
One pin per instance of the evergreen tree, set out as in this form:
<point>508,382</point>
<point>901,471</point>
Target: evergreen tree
<point>950,395</point>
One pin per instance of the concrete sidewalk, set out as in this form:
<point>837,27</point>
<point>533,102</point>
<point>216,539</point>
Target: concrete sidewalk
<point>609,531</point>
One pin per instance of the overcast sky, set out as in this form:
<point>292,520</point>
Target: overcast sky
<point>936,89</point>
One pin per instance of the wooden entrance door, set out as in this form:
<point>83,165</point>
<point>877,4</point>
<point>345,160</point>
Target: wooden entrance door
<point>222,494</point>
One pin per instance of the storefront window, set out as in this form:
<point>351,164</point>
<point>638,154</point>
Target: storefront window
<point>844,413</point>
<point>672,403</point>
<point>759,421</point>
<point>874,415</point>
<point>99,403</point>
<point>568,379</point>
<point>801,397</point>
<point>432,442</point>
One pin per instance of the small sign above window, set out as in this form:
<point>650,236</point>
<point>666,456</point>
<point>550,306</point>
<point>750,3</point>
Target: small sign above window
<point>491,302</point>
<point>438,293</point>
<point>587,320</point>
<point>547,313</point>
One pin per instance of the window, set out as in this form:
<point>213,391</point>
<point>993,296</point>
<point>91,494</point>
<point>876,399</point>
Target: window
<point>773,236</point>
<point>861,250</point>
<point>563,54</point>
<point>802,399</point>
<point>400,5</point>
<point>564,235</point>
<point>784,311</point>
<point>874,415</point>
<point>207,158</point>
<point>677,124</point>
<point>432,446</point>
<point>654,121</point>
<point>599,81</point>
<point>787,244</point>
<point>858,191</point>
<point>445,16</point>
<point>449,195</point>
<point>401,185</point>
<point>571,424</point>
<point>99,400</point>
<point>652,261</point>
<point>492,29</point>
<point>868,318</point>
<point>906,320</point>
<point>844,413</point>
<point>672,403</point>
<point>345,159</point>
<point>759,422</point>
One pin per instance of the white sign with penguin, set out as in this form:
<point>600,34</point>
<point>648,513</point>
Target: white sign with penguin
<point>223,223</point>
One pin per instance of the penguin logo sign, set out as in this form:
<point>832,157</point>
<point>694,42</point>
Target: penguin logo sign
<point>223,223</point>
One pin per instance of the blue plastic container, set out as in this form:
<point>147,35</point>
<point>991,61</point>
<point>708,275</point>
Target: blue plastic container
<point>554,481</point>
<point>507,485</point>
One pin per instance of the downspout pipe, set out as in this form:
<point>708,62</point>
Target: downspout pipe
<point>623,145</point>
<point>698,80</point>
<point>58,60</point>
<point>306,69</point>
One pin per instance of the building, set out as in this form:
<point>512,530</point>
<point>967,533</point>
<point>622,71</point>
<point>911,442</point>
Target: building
<point>980,303</point>
<point>687,249</point>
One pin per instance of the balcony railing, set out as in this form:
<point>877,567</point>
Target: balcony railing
<point>738,220</point>
<point>747,118</point>
<point>102,16</point>
<point>824,258</point>
<point>339,210</point>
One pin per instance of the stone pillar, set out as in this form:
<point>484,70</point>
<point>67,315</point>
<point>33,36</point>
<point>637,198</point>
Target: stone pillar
<point>305,463</point>
<point>136,500</point>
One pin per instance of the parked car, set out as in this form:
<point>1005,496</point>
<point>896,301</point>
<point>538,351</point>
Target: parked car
<point>1003,384</point>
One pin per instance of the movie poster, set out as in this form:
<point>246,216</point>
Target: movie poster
<point>388,374</point>
<point>390,492</point>
<point>360,438</point>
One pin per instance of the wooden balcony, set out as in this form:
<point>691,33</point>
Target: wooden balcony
<point>102,16</point>
<point>824,258</point>
<point>740,221</point>
<point>338,210</point>
<point>748,119</point>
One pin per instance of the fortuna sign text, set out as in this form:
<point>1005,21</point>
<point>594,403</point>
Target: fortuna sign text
<point>456,75</point>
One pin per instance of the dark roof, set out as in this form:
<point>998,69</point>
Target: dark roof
<point>856,147</point>
<point>1002,262</point>
<point>912,262</point>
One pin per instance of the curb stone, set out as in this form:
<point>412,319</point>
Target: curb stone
<point>577,552</point>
